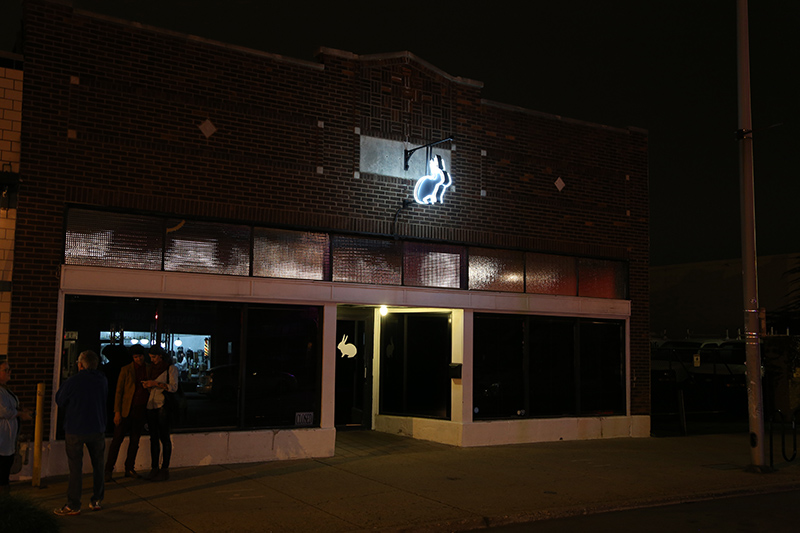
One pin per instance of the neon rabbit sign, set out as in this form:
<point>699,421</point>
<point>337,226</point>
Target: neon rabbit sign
<point>430,188</point>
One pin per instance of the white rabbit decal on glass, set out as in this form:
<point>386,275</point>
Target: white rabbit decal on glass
<point>348,350</point>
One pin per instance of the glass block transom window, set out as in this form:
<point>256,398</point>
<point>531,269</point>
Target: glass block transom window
<point>496,270</point>
<point>360,260</point>
<point>551,274</point>
<point>290,254</point>
<point>211,248</point>
<point>430,265</point>
<point>602,279</point>
<point>98,238</point>
<point>106,239</point>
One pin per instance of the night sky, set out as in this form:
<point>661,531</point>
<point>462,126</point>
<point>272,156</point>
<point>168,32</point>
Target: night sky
<point>668,67</point>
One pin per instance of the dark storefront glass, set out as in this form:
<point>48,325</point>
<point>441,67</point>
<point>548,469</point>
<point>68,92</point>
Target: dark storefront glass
<point>530,366</point>
<point>602,368</point>
<point>552,366</point>
<point>281,376</point>
<point>499,366</point>
<point>415,362</point>
<point>241,365</point>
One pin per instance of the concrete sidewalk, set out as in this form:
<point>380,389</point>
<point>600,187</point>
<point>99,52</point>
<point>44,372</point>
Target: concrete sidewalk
<point>389,483</point>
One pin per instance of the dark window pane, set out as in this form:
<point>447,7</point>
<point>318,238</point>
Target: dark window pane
<point>602,279</point>
<point>496,270</point>
<point>430,265</point>
<point>531,366</point>
<point>550,274</point>
<point>98,238</point>
<point>374,261</point>
<point>271,381</point>
<point>290,254</point>
<point>282,374</point>
<point>602,368</point>
<point>498,362</point>
<point>209,334</point>
<point>552,366</point>
<point>211,248</point>
<point>415,365</point>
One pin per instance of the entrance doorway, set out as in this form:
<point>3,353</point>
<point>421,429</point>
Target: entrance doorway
<point>354,334</point>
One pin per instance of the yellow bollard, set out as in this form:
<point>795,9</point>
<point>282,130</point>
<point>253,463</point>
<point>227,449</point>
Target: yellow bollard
<point>37,436</point>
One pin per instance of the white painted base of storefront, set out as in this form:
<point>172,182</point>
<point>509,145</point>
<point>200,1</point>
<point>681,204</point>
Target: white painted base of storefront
<point>515,431</point>
<point>203,449</point>
<point>215,448</point>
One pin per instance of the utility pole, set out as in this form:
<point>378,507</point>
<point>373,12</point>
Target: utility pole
<point>755,400</point>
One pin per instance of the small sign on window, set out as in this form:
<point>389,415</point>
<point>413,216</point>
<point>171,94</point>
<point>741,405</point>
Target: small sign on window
<point>304,419</point>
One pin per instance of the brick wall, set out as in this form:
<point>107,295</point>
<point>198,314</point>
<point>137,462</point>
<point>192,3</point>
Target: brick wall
<point>113,116</point>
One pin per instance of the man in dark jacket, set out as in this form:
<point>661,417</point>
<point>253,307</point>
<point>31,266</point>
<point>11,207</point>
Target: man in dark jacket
<point>83,399</point>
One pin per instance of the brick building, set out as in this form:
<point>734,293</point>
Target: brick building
<point>253,214</point>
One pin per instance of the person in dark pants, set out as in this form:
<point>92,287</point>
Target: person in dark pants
<point>163,378</point>
<point>130,411</point>
<point>83,399</point>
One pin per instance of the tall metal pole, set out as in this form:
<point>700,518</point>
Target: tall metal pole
<point>749,258</point>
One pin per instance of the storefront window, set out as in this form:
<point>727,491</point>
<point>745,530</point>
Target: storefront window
<point>499,366</point>
<point>415,359</point>
<point>531,367</point>
<point>240,365</point>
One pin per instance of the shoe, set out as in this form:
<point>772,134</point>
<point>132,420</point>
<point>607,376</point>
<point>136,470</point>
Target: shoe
<point>67,511</point>
<point>94,505</point>
<point>132,473</point>
<point>162,475</point>
<point>152,475</point>
<point>108,477</point>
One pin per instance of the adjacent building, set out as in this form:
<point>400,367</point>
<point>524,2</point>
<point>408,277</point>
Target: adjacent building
<point>355,241</point>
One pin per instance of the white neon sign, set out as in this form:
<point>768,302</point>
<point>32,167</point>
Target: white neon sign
<point>430,189</point>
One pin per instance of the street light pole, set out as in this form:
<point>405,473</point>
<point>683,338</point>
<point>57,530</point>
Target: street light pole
<point>749,257</point>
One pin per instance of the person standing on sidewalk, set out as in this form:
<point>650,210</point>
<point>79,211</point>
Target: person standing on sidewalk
<point>130,411</point>
<point>83,399</point>
<point>10,413</point>
<point>163,378</point>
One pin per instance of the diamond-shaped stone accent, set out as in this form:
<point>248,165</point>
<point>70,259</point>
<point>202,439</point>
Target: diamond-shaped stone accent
<point>207,128</point>
<point>560,184</point>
